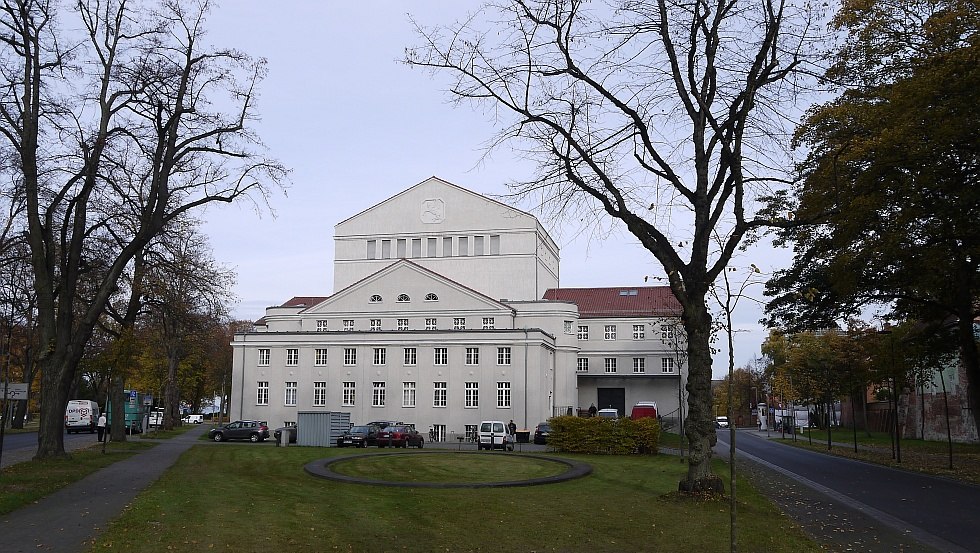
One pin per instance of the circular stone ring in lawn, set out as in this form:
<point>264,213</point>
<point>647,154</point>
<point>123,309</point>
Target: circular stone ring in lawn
<point>433,469</point>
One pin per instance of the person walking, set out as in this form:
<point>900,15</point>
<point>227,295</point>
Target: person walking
<point>100,427</point>
<point>511,428</point>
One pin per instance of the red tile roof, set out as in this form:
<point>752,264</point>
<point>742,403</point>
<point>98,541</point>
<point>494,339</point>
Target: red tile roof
<point>304,301</point>
<point>626,301</point>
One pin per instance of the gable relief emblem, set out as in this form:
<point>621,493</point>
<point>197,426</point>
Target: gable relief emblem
<point>433,211</point>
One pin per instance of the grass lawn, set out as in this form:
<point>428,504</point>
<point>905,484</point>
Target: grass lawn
<point>248,498</point>
<point>930,457</point>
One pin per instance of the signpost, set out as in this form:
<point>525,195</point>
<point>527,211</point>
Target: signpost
<point>15,391</point>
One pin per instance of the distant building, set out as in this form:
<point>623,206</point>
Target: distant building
<point>447,311</point>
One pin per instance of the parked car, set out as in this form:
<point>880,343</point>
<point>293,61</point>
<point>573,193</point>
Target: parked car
<point>255,431</point>
<point>290,428</point>
<point>721,422</point>
<point>493,435</point>
<point>400,436</point>
<point>360,436</point>
<point>541,433</point>
<point>609,413</point>
<point>644,409</point>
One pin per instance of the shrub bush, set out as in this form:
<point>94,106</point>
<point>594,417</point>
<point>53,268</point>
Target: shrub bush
<point>598,435</point>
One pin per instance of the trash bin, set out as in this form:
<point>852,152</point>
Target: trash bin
<point>523,436</point>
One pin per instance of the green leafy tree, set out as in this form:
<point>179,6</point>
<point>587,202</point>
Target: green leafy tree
<point>894,162</point>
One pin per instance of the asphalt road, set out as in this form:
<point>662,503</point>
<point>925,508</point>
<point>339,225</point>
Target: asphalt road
<point>933,511</point>
<point>22,446</point>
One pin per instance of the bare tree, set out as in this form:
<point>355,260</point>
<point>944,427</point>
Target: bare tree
<point>665,116</point>
<point>116,132</point>
<point>187,295</point>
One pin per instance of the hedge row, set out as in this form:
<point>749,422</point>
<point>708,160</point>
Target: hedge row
<point>604,436</point>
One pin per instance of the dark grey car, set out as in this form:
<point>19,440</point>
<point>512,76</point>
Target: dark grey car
<point>254,431</point>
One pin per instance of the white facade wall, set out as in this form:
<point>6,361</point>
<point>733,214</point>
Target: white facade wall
<point>464,236</point>
<point>395,302</point>
<point>648,342</point>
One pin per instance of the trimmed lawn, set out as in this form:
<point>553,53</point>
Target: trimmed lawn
<point>247,498</point>
<point>446,467</point>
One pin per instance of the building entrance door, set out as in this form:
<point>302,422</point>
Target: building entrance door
<point>612,398</point>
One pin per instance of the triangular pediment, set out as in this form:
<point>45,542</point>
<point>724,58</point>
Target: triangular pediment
<point>437,206</point>
<point>404,287</point>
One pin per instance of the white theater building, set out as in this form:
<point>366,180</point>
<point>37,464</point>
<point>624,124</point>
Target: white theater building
<point>447,311</point>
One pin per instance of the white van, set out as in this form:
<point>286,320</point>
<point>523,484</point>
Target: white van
<point>493,435</point>
<point>81,415</point>
<point>192,419</point>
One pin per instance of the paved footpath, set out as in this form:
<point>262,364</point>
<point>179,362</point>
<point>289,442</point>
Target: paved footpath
<point>70,519</point>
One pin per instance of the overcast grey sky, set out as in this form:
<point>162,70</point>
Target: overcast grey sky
<point>356,127</point>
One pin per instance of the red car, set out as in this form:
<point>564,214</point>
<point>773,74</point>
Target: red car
<point>400,436</point>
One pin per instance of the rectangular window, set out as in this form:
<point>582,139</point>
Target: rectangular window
<point>430,247</point>
<point>375,325</point>
<point>568,327</point>
<point>503,394</point>
<point>503,356</point>
<point>430,324</point>
<point>319,394</point>
<point>478,245</point>
<point>488,323</point>
<point>416,247</point>
<point>447,247</point>
<point>264,355</point>
<point>349,325</point>
<point>320,357</point>
<point>666,333</point>
<point>440,356</point>
<point>494,244</point>
<point>262,392</point>
<point>639,332</point>
<point>290,397</point>
<point>459,323</point>
<point>583,365</point>
<point>292,357</point>
<point>402,324</point>
<point>472,356</point>
<point>667,365</point>
<point>410,356</point>
<point>386,249</point>
<point>350,356</point>
<point>401,248</point>
<point>372,249</point>
<point>439,390</point>
<point>408,394</point>
<point>583,332</point>
<point>321,326</point>
<point>472,399</point>
<point>639,365</point>
<point>380,356</point>
<point>610,332</point>
<point>349,389</point>
<point>378,397</point>
<point>464,246</point>
<point>610,364</point>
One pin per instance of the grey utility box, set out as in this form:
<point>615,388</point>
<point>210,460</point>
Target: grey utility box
<point>321,428</point>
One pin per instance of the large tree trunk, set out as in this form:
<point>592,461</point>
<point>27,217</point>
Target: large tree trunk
<point>56,376</point>
<point>117,390</point>
<point>971,363</point>
<point>699,428</point>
